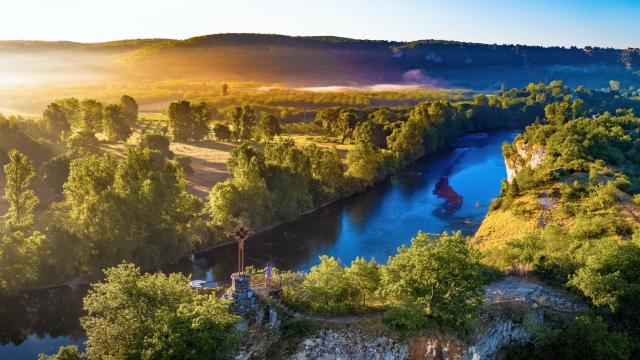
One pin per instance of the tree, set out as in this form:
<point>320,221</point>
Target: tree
<point>132,208</point>
<point>345,124</point>
<point>22,200</point>
<point>180,120</point>
<point>56,171</point>
<point>422,274</point>
<point>245,197</point>
<point>268,128</point>
<point>326,167</point>
<point>129,110</point>
<point>82,143</point>
<point>406,142</point>
<point>71,108</point>
<point>365,162</point>
<point>131,315</point>
<point>55,120</point>
<point>247,122</point>
<point>64,353</point>
<point>365,277</point>
<point>190,121</point>
<point>156,142</point>
<point>221,132</point>
<point>202,114</point>
<point>92,113</point>
<point>329,288</point>
<point>234,117</point>
<point>114,124</point>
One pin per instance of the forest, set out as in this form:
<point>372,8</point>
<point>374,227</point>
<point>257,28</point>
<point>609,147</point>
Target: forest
<point>88,186</point>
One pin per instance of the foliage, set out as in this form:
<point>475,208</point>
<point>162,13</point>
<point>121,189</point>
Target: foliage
<point>221,132</point>
<point>268,127</point>
<point>156,142</point>
<point>82,143</point>
<point>131,315</point>
<point>586,337</point>
<point>55,120</point>
<point>133,208</point>
<point>56,171</point>
<point>64,353</point>
<point>423,274</point>
<point>22,199</point>
<point>114,123</point>
<point>189,121</point>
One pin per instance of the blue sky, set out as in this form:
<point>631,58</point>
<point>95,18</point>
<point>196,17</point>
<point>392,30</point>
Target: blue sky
<point>614,23</point>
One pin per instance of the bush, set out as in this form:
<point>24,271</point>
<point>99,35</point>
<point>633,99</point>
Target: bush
<point>298,328</point>
<point>185,163</point>
<point>56,171</point>
<point>156,142</point>
<point>406,318</point>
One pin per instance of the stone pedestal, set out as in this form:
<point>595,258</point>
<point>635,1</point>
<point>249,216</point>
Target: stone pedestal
<point>243,299</point>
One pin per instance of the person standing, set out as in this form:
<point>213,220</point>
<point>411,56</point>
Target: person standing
<point>267,276</point>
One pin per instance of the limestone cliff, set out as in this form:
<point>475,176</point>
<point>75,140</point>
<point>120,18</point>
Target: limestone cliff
<point>521,155</point>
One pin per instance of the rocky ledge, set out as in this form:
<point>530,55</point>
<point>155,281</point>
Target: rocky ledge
<point>353,344</point>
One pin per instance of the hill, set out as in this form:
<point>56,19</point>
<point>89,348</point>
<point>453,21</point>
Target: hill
<point>317,61</point>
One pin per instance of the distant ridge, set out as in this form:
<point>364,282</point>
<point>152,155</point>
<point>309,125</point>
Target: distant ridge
<point>331,60</point>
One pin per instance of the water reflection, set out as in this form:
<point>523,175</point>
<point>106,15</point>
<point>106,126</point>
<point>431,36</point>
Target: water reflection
<point>40,321</point>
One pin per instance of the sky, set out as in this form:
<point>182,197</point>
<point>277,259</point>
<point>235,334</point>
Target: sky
<point>610,23</point>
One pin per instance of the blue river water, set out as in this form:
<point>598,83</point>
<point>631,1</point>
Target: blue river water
<point>371,225</point>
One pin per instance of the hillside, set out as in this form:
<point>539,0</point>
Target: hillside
<point>317,61</point>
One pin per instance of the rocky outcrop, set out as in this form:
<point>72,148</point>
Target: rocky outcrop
<point>516,290</point>
<point>349,345</point>
<point>521,155</point>
<point>495,338</point>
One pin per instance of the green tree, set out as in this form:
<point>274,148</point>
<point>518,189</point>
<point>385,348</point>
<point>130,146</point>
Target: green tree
<point>222,132</point>
<point>157,142</point>
<point>82,143</point>
<point>114,124</point>
<point>64,353</point>
<point>329,288</point>
<point>248,121</point>
<point>365,277</point>
<point>244,198</point>
<point>234,117</point>
<point>133,208</point>
<point>422,274</point>
<point>129,110</point>
<point>346,122</point>
<point>180,120</point>
<point>326,167</point>
<point>268,128</point>
<point>92,112</point>
<point>71,108</point>
<point>55,120</point>
<point>22,200</point>
<point>365,161</point>
<point>131,315</point>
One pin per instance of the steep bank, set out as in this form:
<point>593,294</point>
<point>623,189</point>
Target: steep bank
<point>510,307</point>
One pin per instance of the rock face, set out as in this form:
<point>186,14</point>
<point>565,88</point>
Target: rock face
<point>512,289</point>
<point>435,348</point>
<point>349,345</point>
<point>495,338</point>
<point>524,156</point>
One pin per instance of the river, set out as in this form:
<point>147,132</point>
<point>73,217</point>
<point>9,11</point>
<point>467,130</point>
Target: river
<point>373,225</point>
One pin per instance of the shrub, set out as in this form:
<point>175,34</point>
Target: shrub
<point>185,163</point>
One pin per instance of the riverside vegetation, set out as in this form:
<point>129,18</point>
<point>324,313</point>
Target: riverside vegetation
<point>132,206</point>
